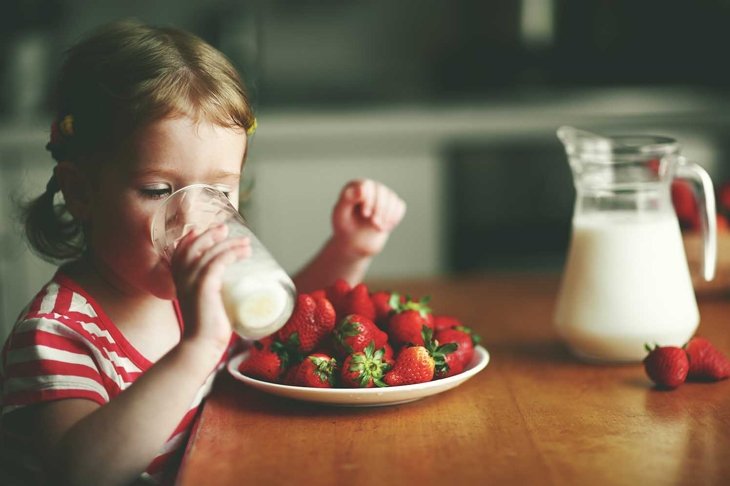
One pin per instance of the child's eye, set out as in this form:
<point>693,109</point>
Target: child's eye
<point>156,192</point>
<point>225,190</point>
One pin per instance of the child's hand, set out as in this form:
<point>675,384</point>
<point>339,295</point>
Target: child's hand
<point>364,216</point>
<point>197,267</point>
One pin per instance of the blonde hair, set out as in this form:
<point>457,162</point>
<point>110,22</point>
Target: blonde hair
<point>114,82</point>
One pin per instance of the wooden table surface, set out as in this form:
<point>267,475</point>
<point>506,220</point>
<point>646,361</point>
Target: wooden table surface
<point>534,415</point>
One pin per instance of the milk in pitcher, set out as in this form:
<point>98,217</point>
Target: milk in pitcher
<point>626,284</point>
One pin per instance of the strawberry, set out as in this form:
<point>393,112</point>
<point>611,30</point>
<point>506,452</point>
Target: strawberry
<point>336,294</point>
<point>722,224</point>
<point>654,165</point>
<point>706,362</point>
<point>667,366</point>
<point>413,365</point>
<point>325,315</point>
<point>724,196</point>
<point>319,293</point>
<point>388,355</point>
<point>312,320</point>
<point>465,339</point>
<point>383,309</point>
<point>685,204</point>
<point>364,369</point>
<point>453,366</point>
<point>445,322</point>
<point>419,364</point>
<point>357,301</point>
<point>266,360</point>
<point>318,370</point>
<point>405,328</point>
<point>354,333</point>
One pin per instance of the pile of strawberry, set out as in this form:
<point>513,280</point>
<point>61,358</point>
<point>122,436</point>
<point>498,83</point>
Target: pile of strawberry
<point>350,337</point>
<point>698,360</point>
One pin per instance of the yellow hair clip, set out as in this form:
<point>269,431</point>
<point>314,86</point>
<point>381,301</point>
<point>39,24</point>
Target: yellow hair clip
<point>67,126</point>
<point>252,129</point>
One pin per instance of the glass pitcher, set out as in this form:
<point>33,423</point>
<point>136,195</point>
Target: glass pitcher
<point>626,282</point>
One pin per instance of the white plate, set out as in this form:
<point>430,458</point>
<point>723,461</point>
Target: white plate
<point>364,397</point>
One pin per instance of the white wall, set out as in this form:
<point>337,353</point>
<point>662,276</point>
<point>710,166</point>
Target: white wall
<point>293,200</point>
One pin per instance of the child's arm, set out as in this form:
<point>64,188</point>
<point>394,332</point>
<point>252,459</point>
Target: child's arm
<point>85,443</point>
<point>363,218</point>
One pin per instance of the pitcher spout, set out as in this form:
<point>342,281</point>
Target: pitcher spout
<point>578,141</point>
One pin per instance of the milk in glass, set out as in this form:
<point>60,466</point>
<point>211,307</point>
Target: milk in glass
<point>257,295</point>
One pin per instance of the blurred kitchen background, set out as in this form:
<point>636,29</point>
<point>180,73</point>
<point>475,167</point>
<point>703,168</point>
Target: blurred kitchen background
<point>454,104</point>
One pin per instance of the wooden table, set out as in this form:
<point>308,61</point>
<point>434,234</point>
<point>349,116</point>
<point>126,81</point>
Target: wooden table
<point>535,415</point>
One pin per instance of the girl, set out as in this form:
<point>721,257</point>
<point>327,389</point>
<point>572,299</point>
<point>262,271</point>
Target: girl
<point>104,372</point>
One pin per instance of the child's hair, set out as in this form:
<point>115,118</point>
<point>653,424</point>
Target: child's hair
<point>115,82</point>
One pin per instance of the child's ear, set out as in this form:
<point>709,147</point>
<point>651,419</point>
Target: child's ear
<point>76,189</point>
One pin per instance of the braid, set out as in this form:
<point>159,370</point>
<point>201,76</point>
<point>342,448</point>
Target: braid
<point>51,231</point>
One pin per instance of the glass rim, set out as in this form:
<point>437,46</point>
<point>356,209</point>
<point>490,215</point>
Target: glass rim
<point>616,149</point>
<point>160,211</point>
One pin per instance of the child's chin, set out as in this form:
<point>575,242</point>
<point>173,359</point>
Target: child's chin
<point>164,293</point>
<point>164,289</point>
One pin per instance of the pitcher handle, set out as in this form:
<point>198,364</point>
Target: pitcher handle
<point>708,221</point>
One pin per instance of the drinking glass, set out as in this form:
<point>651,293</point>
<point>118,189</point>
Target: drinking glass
<point>258,295</point>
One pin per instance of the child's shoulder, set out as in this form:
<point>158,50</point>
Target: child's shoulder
<point>59,348</point>
<point>60,303</point>
<point>61,297</point>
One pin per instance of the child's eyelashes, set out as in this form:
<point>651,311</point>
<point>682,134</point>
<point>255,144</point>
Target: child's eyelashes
<point>160,192</point>
<point>156,192</point>
<point>226,191</point>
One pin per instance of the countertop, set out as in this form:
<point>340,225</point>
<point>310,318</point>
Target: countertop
<point>534,415</point>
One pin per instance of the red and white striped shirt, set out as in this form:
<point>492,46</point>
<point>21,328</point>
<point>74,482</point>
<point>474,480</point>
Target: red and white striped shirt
<point>65,346</point>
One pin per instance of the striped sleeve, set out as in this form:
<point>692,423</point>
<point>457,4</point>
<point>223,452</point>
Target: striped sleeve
<point>47,360</point>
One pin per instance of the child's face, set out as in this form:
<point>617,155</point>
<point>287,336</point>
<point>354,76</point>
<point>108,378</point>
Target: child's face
<point>170,154</point>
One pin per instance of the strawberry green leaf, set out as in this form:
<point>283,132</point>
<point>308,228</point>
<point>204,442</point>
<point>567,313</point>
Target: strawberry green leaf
<point>475,338</point>
<point>447,348</point>
<point>394,300</point>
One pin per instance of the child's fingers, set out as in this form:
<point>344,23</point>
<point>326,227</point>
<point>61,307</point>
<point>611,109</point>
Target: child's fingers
<point>238,247</point>
<point>352,192</point>
<point>386,206</point>
<point>386,201</point>
<point>375,202</point>
<point>398,213</point>
<point>190,249</point>
<point>390,212</point>
<point>180,247</point>
<point>368,195</point>
<point>241,247</point>
<point>185,240</point>
<point>216,262</point>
